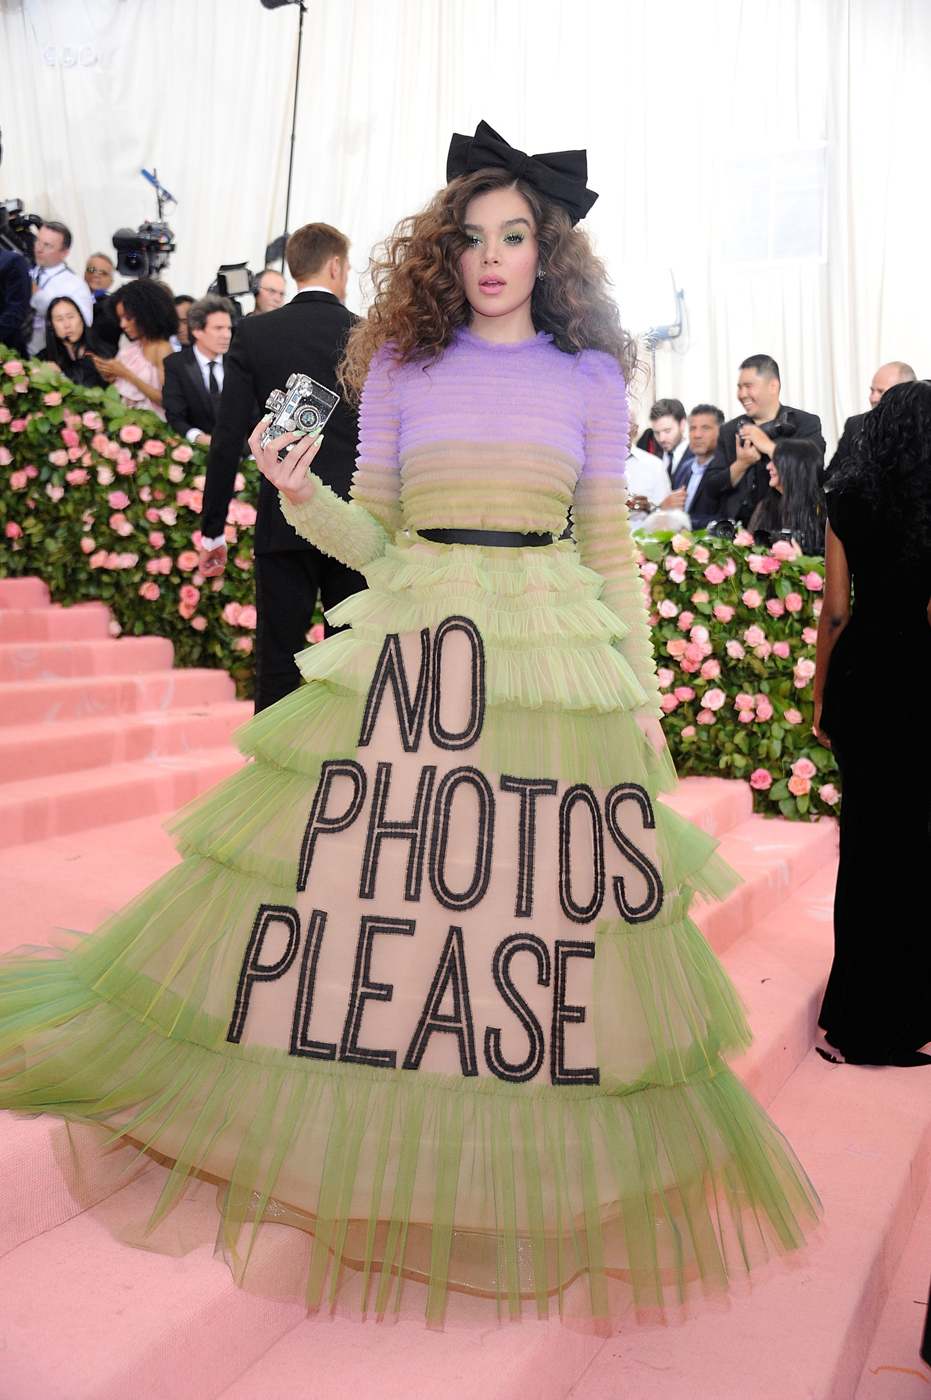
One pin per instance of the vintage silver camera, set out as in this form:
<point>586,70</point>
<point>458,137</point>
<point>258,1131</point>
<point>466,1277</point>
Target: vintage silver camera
<point>303,406</point>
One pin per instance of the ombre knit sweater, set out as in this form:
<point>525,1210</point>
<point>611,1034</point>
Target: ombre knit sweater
<point>494,437</point>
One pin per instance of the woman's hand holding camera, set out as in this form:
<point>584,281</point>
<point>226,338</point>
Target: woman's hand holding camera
<point>290,472</point>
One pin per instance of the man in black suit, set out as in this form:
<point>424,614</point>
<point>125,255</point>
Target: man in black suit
<point>308,337</point>
<point>194,375</point>
<point>895,372</point>
<point>737,477</point>
<point>704,429</point>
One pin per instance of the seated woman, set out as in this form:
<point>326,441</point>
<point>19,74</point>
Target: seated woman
<point>794,505</point>
<point>148,317</point>
<point>69,344</point>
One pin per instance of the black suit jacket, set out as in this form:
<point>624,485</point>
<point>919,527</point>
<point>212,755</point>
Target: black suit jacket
<point>704,507</point>
<point>185,397</point>
<point>307,336</point>
<point>738,502</point>
<point>845,446</point>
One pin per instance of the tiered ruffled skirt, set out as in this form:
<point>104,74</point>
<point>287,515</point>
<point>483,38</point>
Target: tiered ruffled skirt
<point>434,998</point>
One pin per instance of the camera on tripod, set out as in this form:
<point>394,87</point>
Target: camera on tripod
<point>18,229</point>
<point>143,252</point>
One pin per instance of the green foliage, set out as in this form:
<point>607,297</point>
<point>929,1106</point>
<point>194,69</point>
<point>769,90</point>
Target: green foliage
<point>738,701</point>
<point>66,454</point>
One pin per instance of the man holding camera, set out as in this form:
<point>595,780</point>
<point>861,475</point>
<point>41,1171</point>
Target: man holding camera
<point>307,337</point>
<point>737,477</point>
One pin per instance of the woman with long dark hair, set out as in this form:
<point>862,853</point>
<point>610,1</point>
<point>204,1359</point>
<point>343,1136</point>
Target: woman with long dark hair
<point>70,344</point>
<point>147,316</point>
<point>425,986</point>
<point>877,1007</point>
<point>794,505</point>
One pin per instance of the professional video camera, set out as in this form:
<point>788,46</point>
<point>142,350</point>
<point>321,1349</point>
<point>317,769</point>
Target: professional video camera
<point>143,252</point>
<point>17,229</point>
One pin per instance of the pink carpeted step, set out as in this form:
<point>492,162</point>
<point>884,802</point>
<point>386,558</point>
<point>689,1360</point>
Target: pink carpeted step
<point>22,661</point>
<point>86,697</point>
<point>712,804</point>
<point>894,1369</point>
<point>82,622</point>
<point>35,751</point>
<point>24,593</point>
<point>38,808</point>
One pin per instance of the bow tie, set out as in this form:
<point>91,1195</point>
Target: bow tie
<point>559,175</point>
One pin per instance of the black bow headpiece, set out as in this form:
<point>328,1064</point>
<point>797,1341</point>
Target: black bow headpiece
<point>559,175</point>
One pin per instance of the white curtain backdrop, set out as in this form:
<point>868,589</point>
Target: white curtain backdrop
<point>697,119</point>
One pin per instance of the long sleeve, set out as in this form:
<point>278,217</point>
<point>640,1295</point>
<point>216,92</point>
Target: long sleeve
<point>600,521</point>
<point>359,531</point>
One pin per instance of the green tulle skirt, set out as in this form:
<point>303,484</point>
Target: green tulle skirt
<point>425,986</point>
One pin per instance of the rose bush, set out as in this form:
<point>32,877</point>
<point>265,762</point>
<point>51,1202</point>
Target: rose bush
<point>103,501</point>
<point>734,628</point>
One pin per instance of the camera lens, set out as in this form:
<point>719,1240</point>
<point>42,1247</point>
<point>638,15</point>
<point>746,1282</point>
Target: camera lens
<point>308,418</point>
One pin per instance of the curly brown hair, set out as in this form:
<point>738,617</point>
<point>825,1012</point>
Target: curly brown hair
<point>419,301</point>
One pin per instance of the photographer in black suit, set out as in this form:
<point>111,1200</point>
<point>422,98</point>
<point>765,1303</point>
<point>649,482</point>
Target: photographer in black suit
<point>194,375</point>
<point>307,337</point>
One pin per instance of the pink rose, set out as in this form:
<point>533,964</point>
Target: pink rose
<point>162,565</point>
<point>21,386</point>
<point>152,516</point>
<point>154,447</point>
<point>805,669</point>
<point>88,545</point>
<point>176,474</point>
<point>699,633</point>
<point>715,574</point>
<point>781,649</point>
<point>754,636</point>
<point>99,441</point>
<point>794,602</point>
<point>18,480</point>
<point>183,453</point>
<point>130,432</point>
<point>247,617</point>
<point>117,500</point>
<point>711,670</point>
<point>723,612</point>
<point>186,610</point>
<point>751,598</point>
<point>744,539</point>
<point>98,560</point>
<point>700,597</point>
<point>705,717</point>
<point>680,543</point>
<point>816,606</point>
<point>13,532</point>
<point>6,456</point>
<point>829,794</point>
<point>52,398</point>
<point>799,786</point>
<point>187,561</point>
<point>763,651</point>
<point>30,470</point>
<point>156,539</point>
<point>761,779</point>
<point>684,693</point>
<point>54,493</point>
<point>783,550</point>
<point>667,608</point>
<point>199,623</point>
<point>810,635</point>
<point>764,709</point>
<point>194,500</point>
<point>5,415</point>
<point>688,732</point>
<point>647,568</point>
<point>775,607</point>
<point>69,437</point>
<point>734,650</point>
<point>770,566</point>
<point>243,644</point>
<point>231,613</point>
<point>231,535</point>
<point>714,699</point>
<point>745,716</point>
<point>93,421</point>
<point>241,513</point>
<point>13,368</point>
<point>676,647</point>
<point>664,677</point>
<point>694,653</point>
<point>689,667</point>
<point>792,717</point>
<point>150,591</point>
<point>685,620</point>
<point>190,594</point>
<point>19,425</point>
<point>127,561</point>
<point>668,703</point>
<point>76,477</point>
<point>168,515</point>
<point>242,562</point>
<point>59,458</point>
<point>743,701</point>
<point>700,554</point>
<point>677,572</point>
<point>804,768</point>
<point>126,468</point>
<point>755,563</point>
<point>813,582</point>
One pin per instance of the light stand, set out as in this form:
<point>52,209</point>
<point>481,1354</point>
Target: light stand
<point>275,5</point>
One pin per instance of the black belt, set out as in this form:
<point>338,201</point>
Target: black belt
<point>489,539</point>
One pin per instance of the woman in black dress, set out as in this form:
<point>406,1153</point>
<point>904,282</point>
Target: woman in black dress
<point>70,345</point>
<point>877,1007</point>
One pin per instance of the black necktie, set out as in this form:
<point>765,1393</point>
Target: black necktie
<point>214,386</point>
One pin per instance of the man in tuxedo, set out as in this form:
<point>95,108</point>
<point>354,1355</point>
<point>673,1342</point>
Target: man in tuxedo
<point>738,478</point>
<point>667,421</point>
<point>895,372</point>
<point>194,374</point>
<point>307,336</point>
<point>704,429</point>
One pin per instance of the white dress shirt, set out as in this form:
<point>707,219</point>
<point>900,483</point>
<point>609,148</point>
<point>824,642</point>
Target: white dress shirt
<point>646,476</point>
<point>204,363</point>
<point>52,282</point>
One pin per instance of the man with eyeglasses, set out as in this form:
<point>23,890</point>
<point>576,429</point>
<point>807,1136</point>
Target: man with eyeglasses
<point>99,277</point>
<point>51,278</point>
